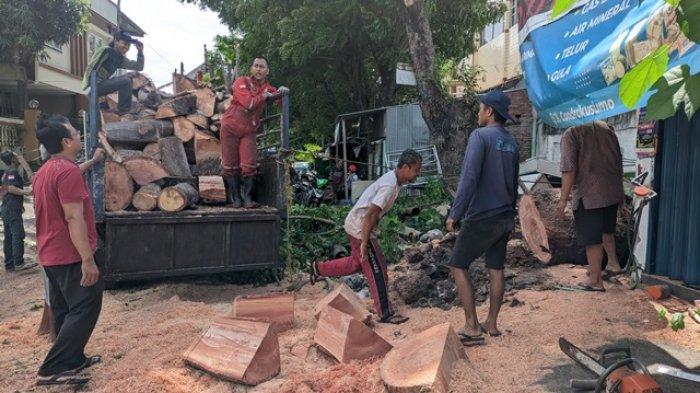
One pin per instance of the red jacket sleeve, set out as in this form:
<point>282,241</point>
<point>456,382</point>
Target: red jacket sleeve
<point>245,97</point>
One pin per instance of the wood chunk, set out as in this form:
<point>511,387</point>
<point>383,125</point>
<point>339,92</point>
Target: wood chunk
<point>206,146</point>
<point>199,120</point>
<point>658,292</point>
<point>172,155</point>
<point>178,106</point>
<point>276,308</point>
<point>206,101</point>
<point>223,106</point>
<point>300,350</point>
<point>119,187</point>
<point>110,117</point>
<point>144,169</point>
<point>184,129</point>
<point>146,198</point>
<point>139,80</point>
<point>139,131</point>
<point>345,338</point>
<point>237,350</point>
<point>178,197</point>
<point>533,229</point>
<point>112,101</point>
<point>423,362</point>
<point>182,83</point>
<point>212,189</point>
<point>150,99</point>
<point>342,298</point>
<point>152,150</point>
<point>147,114</point>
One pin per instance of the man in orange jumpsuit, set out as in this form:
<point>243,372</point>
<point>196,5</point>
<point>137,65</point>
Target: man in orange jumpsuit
<point>239,152</point>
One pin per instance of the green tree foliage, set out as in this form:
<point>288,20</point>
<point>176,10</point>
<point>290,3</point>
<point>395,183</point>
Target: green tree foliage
<point>340,55</point>
<point>27,25</point>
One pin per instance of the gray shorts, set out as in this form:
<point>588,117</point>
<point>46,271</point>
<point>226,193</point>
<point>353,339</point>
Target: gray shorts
<point>488,237</point>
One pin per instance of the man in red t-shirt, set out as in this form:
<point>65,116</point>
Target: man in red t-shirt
<point>240,123</point>
<point>66,241</point>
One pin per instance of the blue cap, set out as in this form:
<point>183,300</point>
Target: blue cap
<point>499,101</point>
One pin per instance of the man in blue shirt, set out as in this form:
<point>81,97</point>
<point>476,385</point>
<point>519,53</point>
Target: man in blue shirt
<point>486,200</point>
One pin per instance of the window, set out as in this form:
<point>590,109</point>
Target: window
<point>492,31</point>
<point>54,46</point>
<point>498,27</point>
<point>514,13</point>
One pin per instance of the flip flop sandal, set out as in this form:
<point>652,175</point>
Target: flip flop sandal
<point>89,362</point>
<point>588,288</point>
<point>396,319</point>
<point>469,339</point>
<point>64,378</point>
<point>483,329</point>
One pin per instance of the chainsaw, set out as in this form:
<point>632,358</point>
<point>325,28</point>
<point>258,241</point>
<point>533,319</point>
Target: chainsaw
<point>614,370</point>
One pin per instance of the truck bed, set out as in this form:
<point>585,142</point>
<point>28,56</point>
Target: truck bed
<point>140,245</point>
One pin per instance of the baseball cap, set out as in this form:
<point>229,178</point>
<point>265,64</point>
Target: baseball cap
<point>497,100</point>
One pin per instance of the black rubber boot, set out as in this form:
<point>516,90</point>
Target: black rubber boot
<point>248,202</point>
<point>234,191</point>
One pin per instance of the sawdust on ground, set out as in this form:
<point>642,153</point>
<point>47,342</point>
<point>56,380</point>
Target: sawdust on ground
<point>143,331</point>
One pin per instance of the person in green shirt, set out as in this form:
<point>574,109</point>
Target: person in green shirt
<point>107,60</point>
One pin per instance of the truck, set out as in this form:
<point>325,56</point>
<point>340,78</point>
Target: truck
<point>137,245</point>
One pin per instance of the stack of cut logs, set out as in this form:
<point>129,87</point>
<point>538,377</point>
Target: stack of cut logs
<point>164,154</point>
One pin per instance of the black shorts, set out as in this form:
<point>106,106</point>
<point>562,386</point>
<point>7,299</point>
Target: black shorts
<point>591,224</point>
<point>488,237</point>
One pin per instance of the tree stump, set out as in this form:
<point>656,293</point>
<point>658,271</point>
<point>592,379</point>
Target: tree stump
<point>146,198</point>
<point>144,169</point>
<point>423,362</point>
<point>212,189</point>
<point>184,129</point>
<point>179,106</point>
<point>237,350</point>
<point>343,299</point>
<point>560,233</point>
<point>177,197</point>
<point>137,131</point>
<point>172,155</point>
<point>345,338</point>
<point>119,187</point>
<point>275,308</point>
<point>533,230</point>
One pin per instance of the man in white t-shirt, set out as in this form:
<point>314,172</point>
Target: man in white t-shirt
<point>361,228</point>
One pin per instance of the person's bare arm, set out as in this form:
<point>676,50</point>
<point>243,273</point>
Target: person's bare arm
<point>77,227</point>
<point>18,191</point>
<point>98,156</point>
<point>567,183</point>
<point>370,222</point>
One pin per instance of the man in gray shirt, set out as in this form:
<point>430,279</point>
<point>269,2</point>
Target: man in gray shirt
<point>486,200</point>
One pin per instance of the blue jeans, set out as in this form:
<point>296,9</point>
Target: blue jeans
<point>13,242</point>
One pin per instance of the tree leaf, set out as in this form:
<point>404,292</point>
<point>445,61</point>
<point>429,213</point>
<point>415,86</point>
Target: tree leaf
<point>561,6</point>
<point>677,321</point>
<point>661,104</point>
<point>642,76</point>
<point>692,95</point>
<point>673,2</point>
<point>689,18</point>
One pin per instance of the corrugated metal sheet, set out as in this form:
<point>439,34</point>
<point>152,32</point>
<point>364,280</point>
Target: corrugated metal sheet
<point>405,128</point>
<point>678,227</point>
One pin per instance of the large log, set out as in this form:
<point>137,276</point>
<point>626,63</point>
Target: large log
<point>206,101</point>
<point>532,228</point>
<point>119,187</point>
<point>144,169</point>
<point>237,350</point>
<point>342,298</point>
<point>182,83</point>
<point>139,131</point>
<point>178,106</point>
<point>423,362</point>
<point>146,198</point>
<point>172,155</point>
<point>139,80</point>
<point>184,129</point>
<point>345,338</point>
<point>178,197</point>
<point>275,308</point>
<point>212,189</point>
<point>199,120</point>
<point>206,147</point>
<point>561,237</point>
<point>110,117</point>
<point>152,150</point>
<point>222,106</point>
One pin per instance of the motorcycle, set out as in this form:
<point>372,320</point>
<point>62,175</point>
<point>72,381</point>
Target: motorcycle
<point>311,191</point>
